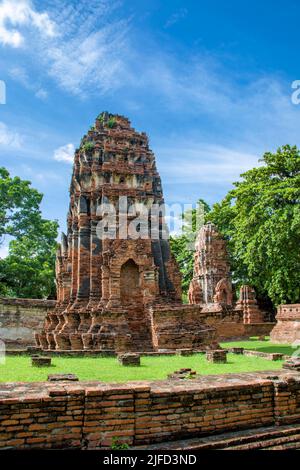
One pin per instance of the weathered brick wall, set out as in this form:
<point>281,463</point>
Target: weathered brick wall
<point>181,326</point>
<point>257,329</point>
<point>287,328</point>
<point>89,414</point>
<point>287,400</point>
<point>230,325</point>
<point>20,318</point>
<point>181,412</point>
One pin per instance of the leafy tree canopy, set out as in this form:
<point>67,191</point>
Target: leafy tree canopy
<point>29,268</point>
<point>260,218</point>
<point>19,205</point>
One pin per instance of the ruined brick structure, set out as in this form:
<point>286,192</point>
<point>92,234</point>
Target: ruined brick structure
<point>211,282</point>
<point>118,293</point>
<point>248,304</point>
<point>91,415</point>
<point>20,319</point>
<point>211,288</point>
<point>287,328</point>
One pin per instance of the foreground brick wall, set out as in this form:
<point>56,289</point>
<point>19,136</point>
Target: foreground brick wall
<point>20,318</point>
<point>90,414</point>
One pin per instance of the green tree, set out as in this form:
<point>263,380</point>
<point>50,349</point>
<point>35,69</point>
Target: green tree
<point>182,245</point>
<point>260,218</point>
<point>29,268</point>
<point>19,205</point>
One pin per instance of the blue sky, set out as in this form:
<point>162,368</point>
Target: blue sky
<point>209,81</point>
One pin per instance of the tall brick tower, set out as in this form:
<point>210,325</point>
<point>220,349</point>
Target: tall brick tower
<point>118,291</point>
<point>211,281</point>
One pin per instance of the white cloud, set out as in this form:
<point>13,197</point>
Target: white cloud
<point>175,17</point>
<point>20,75</point>
<point>41,94</point>
<point>65,153</point>
<point>203,163</point>
<point>94,54</point>
<point>9,138</point>
<point>20,13</point>
<point>42,179</point>
<point>91,60</point>
<point>255,111</point>
<point>3,251</point>
<point>90,51</point>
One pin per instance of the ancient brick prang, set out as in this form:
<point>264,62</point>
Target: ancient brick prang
<point>212,289</point>
<point>211,281</point>
<point>109,279</point>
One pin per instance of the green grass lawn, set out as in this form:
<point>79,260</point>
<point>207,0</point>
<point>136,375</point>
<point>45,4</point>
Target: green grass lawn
<point>107,369</point>
<point>263,346</point>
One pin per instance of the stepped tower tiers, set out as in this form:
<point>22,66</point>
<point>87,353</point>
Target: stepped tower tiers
<point>118,286</point>
<point>211,288</point>
<point>212,280</point>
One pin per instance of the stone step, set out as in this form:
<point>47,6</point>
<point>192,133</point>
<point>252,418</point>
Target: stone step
<point>290,441</point>
<point>287,446</point>
<point>273,438</point>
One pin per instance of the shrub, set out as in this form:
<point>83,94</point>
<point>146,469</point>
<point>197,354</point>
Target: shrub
<point>117,445</point>
<point>111,123</point>
<point>88,146</point>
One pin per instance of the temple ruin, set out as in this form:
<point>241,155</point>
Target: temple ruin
<point>118,293</point>
<point>211,282</point>
<point>211,288</point>
<point>287,328</point>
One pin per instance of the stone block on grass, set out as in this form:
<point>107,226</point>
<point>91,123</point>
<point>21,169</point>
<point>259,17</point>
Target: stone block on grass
<point>62,377</point>
<point>217,356</point>
<point>236,350</point>
<point>40,361</point>
<point>129,359</point>
<point>276,356</point>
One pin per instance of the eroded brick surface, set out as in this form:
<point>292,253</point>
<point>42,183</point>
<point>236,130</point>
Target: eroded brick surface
<point>211,289</point>
<point>218,356</point>
<point>91,414</point>
<point>120,294</point>
<point>212,281</point>
<point>20,318</point>
<point>287,329</point>
<point>129,359</point>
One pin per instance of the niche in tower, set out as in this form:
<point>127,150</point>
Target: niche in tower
<point>130,290</point>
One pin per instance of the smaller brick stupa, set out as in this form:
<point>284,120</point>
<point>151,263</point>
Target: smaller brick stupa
<point>247,302</point>
<point>118,293</point>
<point>211,288</point>
<point>211,283</point>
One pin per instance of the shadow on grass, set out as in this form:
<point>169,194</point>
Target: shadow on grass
<point>142,366</point>
<point>288,350</point>
<point>43,367</point>
<point>256,338</point>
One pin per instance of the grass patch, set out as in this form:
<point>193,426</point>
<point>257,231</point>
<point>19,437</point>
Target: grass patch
<point>107,369</point>
<point>262,346</point>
